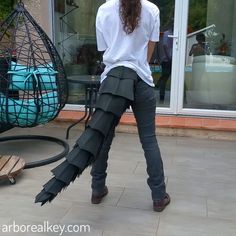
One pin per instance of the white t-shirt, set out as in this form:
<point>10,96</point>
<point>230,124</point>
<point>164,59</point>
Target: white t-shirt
<point>123,49</point>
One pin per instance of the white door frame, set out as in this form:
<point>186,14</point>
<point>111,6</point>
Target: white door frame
<point>176,55</point>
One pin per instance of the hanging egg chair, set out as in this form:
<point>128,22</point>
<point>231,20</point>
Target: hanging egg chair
<point>33,85</point>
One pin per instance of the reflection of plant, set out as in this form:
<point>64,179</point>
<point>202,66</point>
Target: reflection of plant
<point>6,7</point>
<point>217,43</point>
<point>167,12</point>
<point>212,38</point>
<point>197,14</point>
<point>224,47</point>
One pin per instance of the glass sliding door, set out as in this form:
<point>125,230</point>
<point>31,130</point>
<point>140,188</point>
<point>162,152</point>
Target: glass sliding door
<point>161,62</point>
<point>210,57</point>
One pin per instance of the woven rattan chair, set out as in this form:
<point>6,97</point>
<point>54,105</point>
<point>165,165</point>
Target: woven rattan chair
<point>33,85</point>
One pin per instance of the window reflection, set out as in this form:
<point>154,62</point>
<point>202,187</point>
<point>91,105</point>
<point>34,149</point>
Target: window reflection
<point>161,62</point>
<point>210,71</point>
<point>74,22</point>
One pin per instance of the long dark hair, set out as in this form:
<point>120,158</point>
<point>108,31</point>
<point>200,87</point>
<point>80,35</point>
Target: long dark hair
<point>130,11</point>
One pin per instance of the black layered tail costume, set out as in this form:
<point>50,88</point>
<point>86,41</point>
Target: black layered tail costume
<point>116,93</point>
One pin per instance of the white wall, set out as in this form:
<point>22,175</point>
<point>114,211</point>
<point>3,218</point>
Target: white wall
<point>223,15</point>
<point>42,12</point>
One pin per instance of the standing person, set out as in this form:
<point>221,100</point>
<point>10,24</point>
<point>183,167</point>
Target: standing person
<point>126,32</point>
<point>166,62</point>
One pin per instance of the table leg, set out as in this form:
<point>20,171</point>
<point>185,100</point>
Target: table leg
<point>83,117</point>
<point>92,102</point>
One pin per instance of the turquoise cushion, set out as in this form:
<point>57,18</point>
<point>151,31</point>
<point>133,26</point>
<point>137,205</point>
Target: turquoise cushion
<point>24,113</point>
<point>20,113</point>
<point>49,107</point>
<point>22,77</point>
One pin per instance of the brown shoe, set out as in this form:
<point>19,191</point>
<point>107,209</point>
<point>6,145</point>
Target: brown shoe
<point>161,204</point>
<point>97,198</point>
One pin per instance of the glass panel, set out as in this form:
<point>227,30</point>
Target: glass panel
<point>161,62</point>
<point>210,71</point>
<point>75,38</point>
<point>76,42</point>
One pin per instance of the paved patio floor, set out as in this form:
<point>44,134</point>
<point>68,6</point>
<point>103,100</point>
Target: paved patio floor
<point>200,177</point>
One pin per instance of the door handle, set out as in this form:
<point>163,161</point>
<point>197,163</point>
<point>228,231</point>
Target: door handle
<point>176,40</point>
<point>173,36</point>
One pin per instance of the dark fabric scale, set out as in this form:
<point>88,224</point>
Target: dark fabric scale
<point>82,162</point>
<point>101,121</point>
<point>122,73</point>
<point>122,88</point>
<point>116,92</point>
<point>113,104</point>
<point>45,197</point>
<point>53,186</point>
<point>90,141</point>
<point>65,172</point>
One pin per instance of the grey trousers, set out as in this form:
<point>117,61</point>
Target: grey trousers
<point>144,107</point>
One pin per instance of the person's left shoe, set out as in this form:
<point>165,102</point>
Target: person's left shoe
<point>97,198</point>
<point>160,205</point>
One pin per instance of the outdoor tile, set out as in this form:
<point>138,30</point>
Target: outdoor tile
<point>221,160</point>
<point>121,166</point>
<point>174,225</point>
<point>221,190</point>
<point>82,194</point>
<point>141,169</point>
<point>184,172</point>
<point>195,160</point>
<point>186,204</point>
<point>25,185</point>
<point>141,166</point>
<point>4,219</point>
<point>134,198</point>
<point>220,174</point>
<point>190,187</point>
<point>127,180</point>
<point>222,208</point>
<point>115,219</point>
<point>182,204</point>
<point>34,234</point>
<point>23,207</point>
<point>25,149</point>
<point>91,233</point>
<point>122,233</point>
<point>127,155</point>
<point>193,142</point>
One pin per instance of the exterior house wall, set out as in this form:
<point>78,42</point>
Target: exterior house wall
<point>42,13</point>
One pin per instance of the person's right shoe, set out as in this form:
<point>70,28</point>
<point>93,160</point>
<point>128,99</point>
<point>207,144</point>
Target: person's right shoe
<point>97,198</point>
<point>160,205</point>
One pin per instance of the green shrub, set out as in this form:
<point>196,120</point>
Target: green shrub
<point>6,7</point>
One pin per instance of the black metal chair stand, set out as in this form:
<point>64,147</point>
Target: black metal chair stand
<point>47,161</point>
